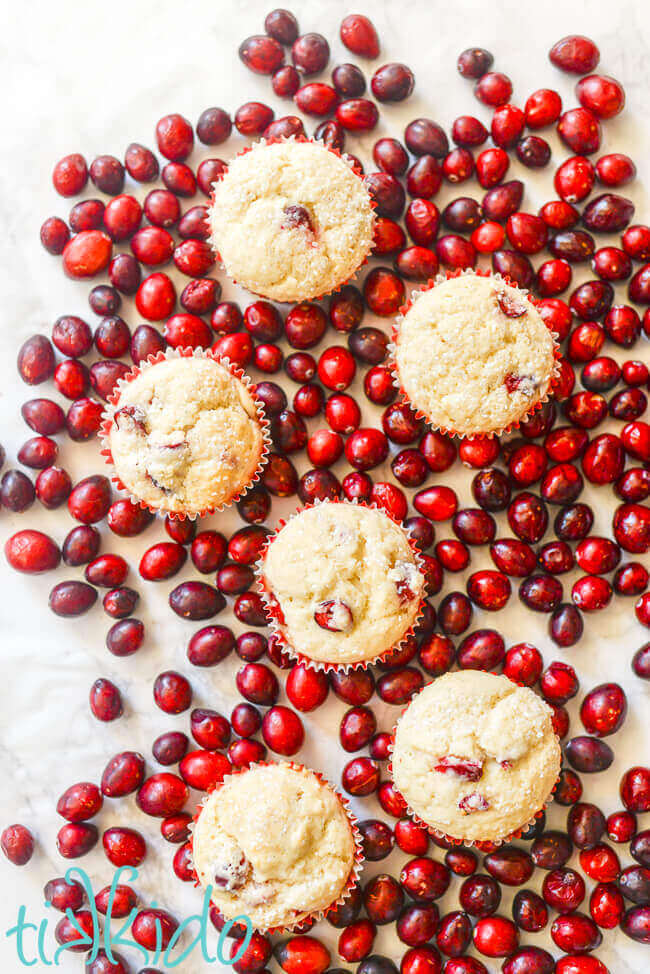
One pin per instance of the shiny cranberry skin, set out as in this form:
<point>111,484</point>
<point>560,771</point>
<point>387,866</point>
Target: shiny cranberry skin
<point>156,297</point>
<point>495,936</point>
<point>563,890</point>
<point>54,235</point>
<point>635,789</point>
<point>509,866</point>
<point>125,638</point>
<point>436,654</point>
<point>282,730</point>
<point>360,776</point>
<point>523,663</point>
<point>566,625</point>
<point>86,215</point>
<point>514,558</point>
<point>631,525</point>
<point>528,517</point>
<point>63,895</point>
<point>119,603</point>
<point>575,932</point>
<point>483,649</point>
<point>70,175</point>
<point>125,273</point>
<point>105,700</point>
<point>106,571</point>
<point>631,579</point>
<point>196,600</point>
<point>77,933</point>
<point>454,934</point>
<point>74,840</point>
<point>493,89</point>
<point>305,325</point>
<point>588,755</point>
<point>392,82</point>
<point>474,62</point>
<point>621,827</point>
<point>606,905</point>
<point>170,748</point>
<point>425,880</point>
<point>600,863</point>
<point>489,590</point>
<point>172,692</point>
<point>559,683</point>
<point>551,850</point>
<point>529,911</point>
<point>306,688</point>
<point>366,448</point>
<point>417,924</point>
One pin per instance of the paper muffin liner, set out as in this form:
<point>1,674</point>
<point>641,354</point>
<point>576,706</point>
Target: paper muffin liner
<point>306,921</point>
<point>276,616</point>
<point>341,155</point>
<point>174,353</point>
<point>483,845</point>
<point>392,354</point>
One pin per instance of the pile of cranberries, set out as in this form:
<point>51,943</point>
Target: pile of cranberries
<point>528,517</point>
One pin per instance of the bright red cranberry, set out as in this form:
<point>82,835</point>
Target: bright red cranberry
<point>282,730</point>
<point>493,88</point>
<point>76,839</point>
<point>17,843</point>
<point>70,175</point>
<point>105,700</point>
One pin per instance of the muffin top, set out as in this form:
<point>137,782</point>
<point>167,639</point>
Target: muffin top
<point>275,844</point>
<point>185,435</point>
<point>291,220</point>
<point>346,581</point>
<point>473,354</point>
<point>475,756</point>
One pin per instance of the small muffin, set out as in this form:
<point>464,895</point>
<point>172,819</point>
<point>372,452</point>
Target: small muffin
<point>473,355</point>
<point>276,845</point>
<point>185,435</point>
<point>291,220</point>
<point>475,756</point>
<point>343,583</point>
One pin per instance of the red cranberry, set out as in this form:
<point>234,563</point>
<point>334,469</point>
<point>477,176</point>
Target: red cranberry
<point>123,774</point>
<point>105,700</point>
<point>529,911</point>
<point>17,843</point>
<point>76,840</point>
<point>358,34</point>
<point>282,730</point>
<point>483,649</point>
<point>493,88</point>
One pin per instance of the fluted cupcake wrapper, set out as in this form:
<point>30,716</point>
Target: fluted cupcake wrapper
<point>392,354</point>
<point>305,921</point>
<point>487,845</point>
<point>275,614</point>
<point>274,141</point>
<point>174,353</point>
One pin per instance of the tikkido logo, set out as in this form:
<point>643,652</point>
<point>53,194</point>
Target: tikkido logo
<point>31,946</point>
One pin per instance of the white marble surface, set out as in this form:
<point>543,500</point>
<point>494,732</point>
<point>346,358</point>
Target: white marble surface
<point>91,78</point>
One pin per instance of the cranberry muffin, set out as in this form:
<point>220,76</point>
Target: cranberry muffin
<point>473,355</point>
<point>290,220</point>
<point>275,844</point>
<point>475,756</point>
<point>343,584</point>
<point>184,434</point>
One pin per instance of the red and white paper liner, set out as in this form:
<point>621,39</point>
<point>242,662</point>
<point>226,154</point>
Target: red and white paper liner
<point>305,921</point>
<point>275,140</point>
<point>274,611</point>
<point>392,353</point>
<point>483,845</point>
<point>170,354</point>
